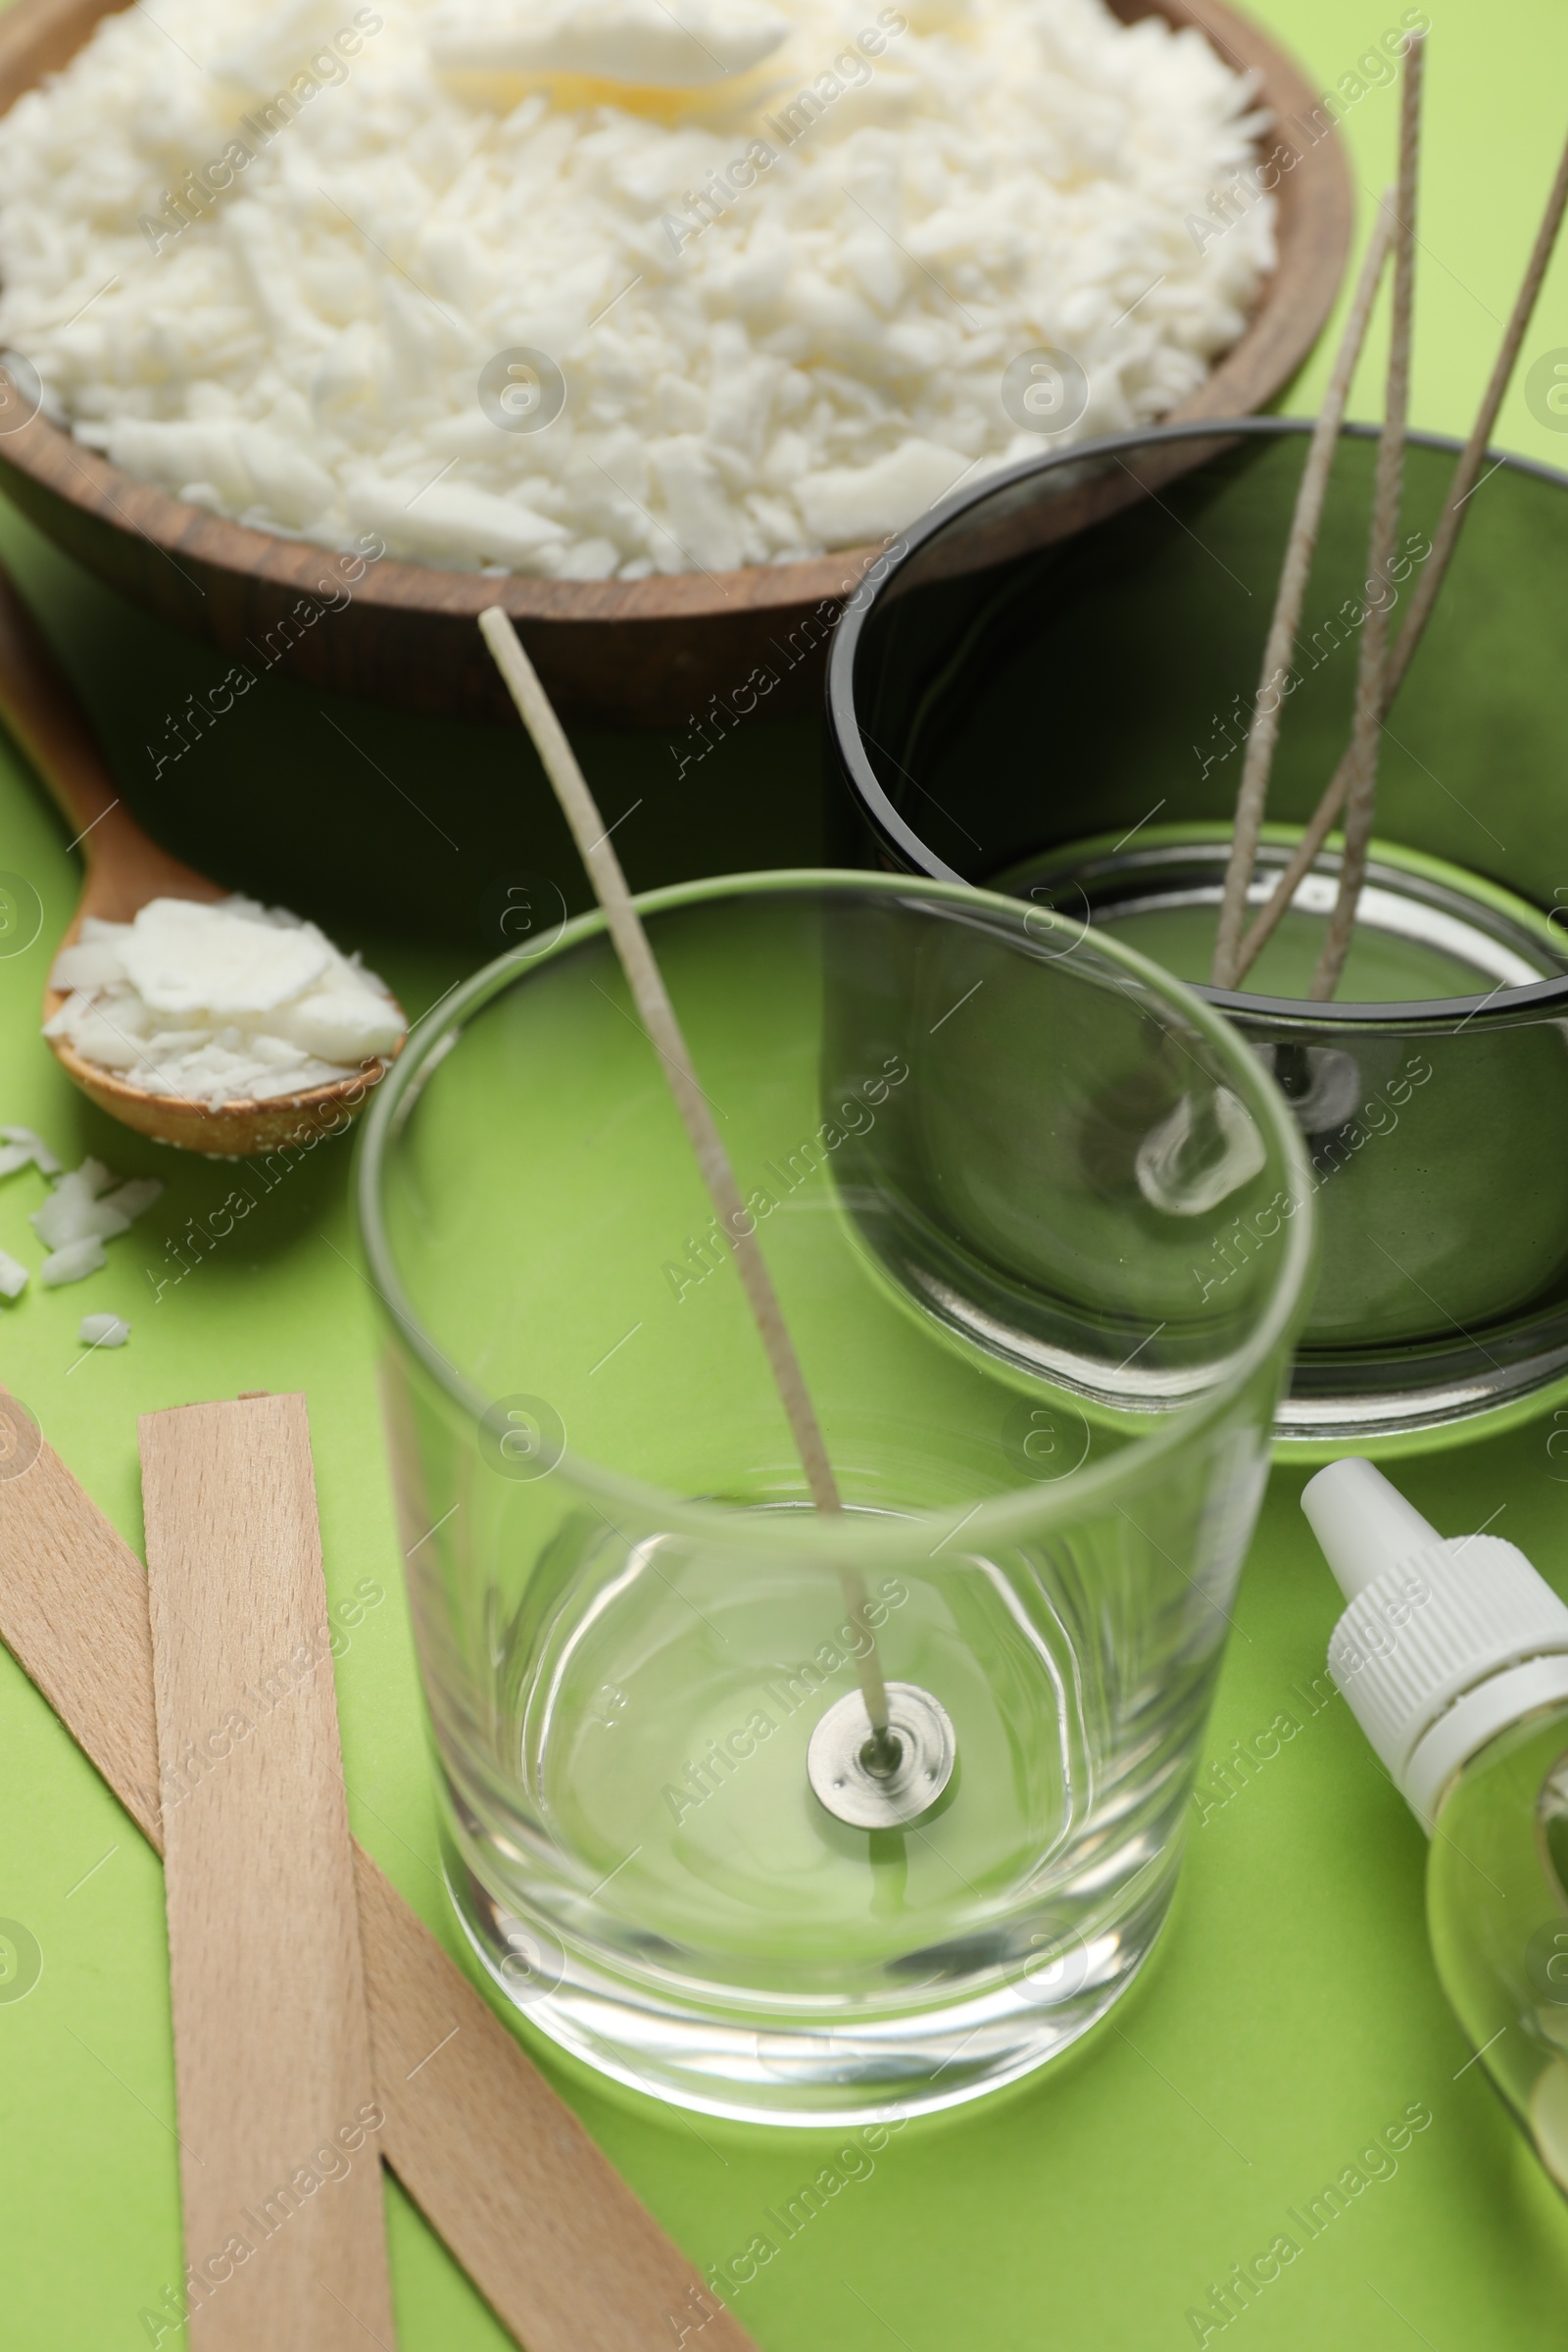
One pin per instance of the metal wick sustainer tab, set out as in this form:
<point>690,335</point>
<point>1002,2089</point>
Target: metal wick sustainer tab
<point>881,1784</point>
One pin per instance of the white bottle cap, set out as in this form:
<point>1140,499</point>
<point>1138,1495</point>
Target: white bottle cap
<point>1445,1643</point>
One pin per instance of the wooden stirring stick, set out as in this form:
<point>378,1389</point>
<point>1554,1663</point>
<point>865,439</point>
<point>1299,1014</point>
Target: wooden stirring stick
<point>1278,651</point>
<point>1454,513</point>
<point>652,1000</point>
<point>1387,490</point>
<point>126,870</point>
<point>281,2170</point>
<point>542,2223</point>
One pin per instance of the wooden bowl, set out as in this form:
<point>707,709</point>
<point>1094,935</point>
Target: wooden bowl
<point>634,653</point>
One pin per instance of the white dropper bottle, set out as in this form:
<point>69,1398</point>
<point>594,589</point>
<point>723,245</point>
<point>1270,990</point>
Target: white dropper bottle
<point>1453,1655</point>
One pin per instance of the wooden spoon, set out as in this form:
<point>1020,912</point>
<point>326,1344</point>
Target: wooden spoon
<point>124,871</point>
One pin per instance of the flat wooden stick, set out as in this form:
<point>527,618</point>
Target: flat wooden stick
<point>1371,683</point>
<point>545,2228</point>
<point>1252,798</point>
<point>286,2237</point>
<point>1451,521</point>
<point>652,1000</point>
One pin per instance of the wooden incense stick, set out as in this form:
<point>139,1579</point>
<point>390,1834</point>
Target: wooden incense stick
<point>652,1000</point>
<point>1278,651</point>
<point>1455,512</point>
<point>1388,492</point>
<point>271,2037</point>
<point>544,2225</point>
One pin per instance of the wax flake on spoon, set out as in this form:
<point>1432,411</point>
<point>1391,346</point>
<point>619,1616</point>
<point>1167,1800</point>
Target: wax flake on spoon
<point>13,1278</point>
<point>90,962</point>
<point>182,956</point>
<point>220,1003</point>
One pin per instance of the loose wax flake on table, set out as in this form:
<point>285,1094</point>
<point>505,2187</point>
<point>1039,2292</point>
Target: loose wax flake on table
<point>19,1148</point>
<point>103,1331</point>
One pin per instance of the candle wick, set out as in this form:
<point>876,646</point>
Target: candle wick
<point>652,1000</point>
<point>1371,684</point>
<point>1279,652</point>
<point>1444,541</point>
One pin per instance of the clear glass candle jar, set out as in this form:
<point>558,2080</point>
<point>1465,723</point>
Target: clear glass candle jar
<point>630,1622</point>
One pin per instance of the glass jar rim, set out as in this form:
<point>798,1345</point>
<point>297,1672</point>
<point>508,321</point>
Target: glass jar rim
<point>1493,1008</point>
<point>853,1538</point>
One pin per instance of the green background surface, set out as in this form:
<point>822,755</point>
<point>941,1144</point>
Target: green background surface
<point>1291,2013</point>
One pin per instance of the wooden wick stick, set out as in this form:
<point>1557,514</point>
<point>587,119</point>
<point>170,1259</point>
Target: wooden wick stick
<point>1388,492</point>
<point>269,2061</point>
<point>1280,651</point>
<point>545,2228</point>
<point>1446,538</point>
<point>652,1000</point>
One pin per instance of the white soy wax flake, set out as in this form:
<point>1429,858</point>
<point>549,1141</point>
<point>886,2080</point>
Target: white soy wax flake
<point>73,1263</point>
<point>13,1278</point>
<point>137,1194</point>
<point>76,1211</point>
<point>182,956</point>
<point>19,1148</point>
<point>346,1025</point>
<point>86,1207</point>
<point>103,1331</point>
<point>89,964</point>
<point>637,41</point>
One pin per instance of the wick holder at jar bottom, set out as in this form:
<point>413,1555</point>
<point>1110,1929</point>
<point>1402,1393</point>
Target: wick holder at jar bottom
<point>881,1784</point>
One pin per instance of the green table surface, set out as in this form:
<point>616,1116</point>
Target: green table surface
<point>1291,2013</point>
